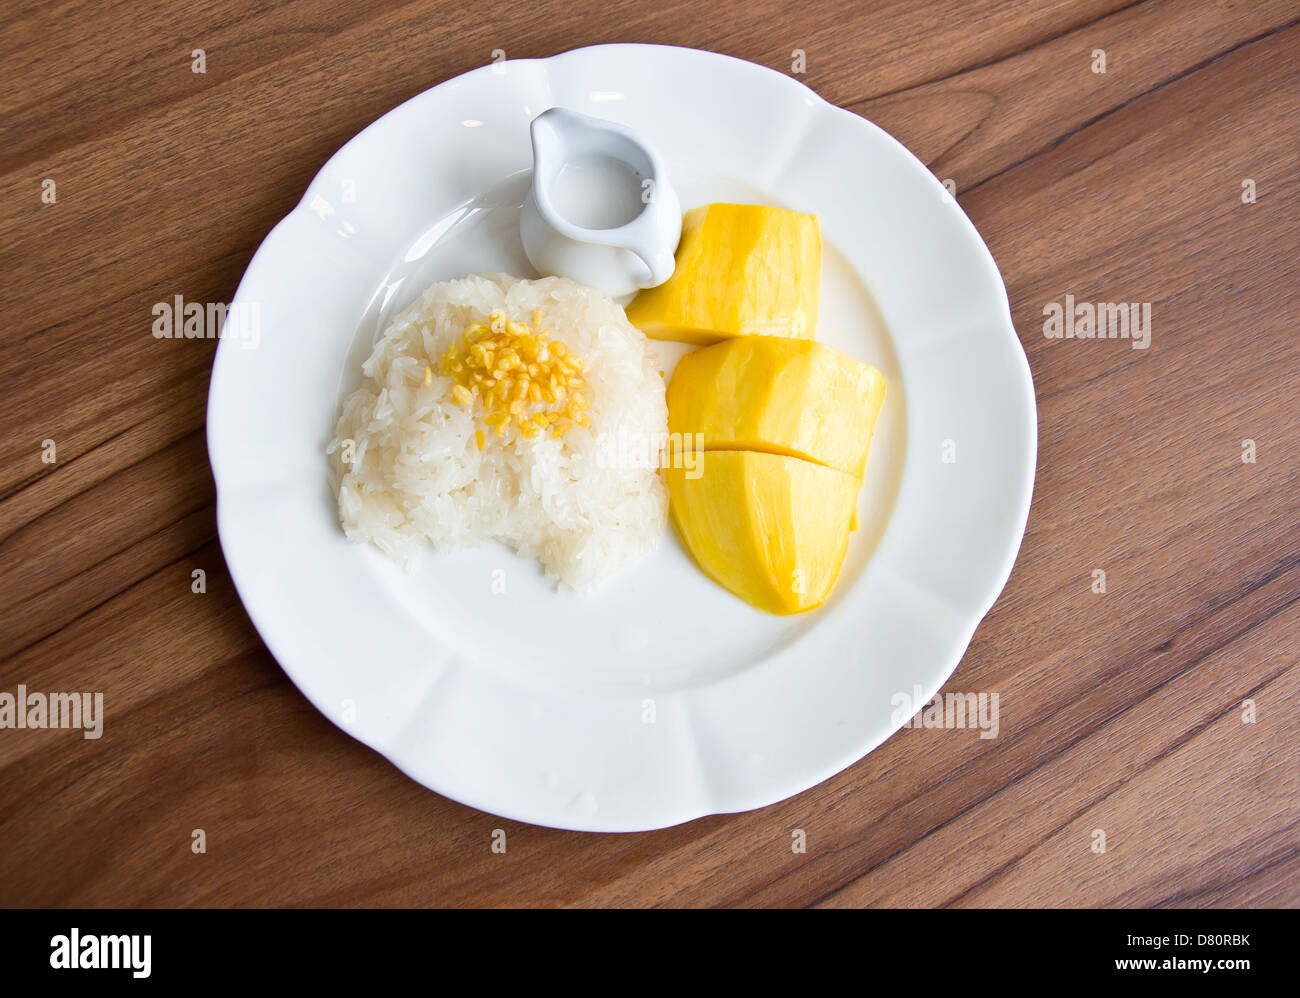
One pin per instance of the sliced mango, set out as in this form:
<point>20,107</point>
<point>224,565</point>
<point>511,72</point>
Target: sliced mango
<point>767,393</point>
<point>742,270</point>
<point>771,529</point>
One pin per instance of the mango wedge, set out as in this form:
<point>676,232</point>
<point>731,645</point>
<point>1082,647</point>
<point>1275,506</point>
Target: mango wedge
<point>742,270</point>
<point>764,393</point>
<point>772,529</point>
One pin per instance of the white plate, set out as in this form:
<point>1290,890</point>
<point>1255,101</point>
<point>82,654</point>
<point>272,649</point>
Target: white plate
<point>662,698</point>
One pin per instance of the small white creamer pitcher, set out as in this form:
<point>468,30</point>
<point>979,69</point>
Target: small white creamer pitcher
<point>601,209</point>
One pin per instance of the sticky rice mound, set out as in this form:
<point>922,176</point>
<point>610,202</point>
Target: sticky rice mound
<point>413,467</point>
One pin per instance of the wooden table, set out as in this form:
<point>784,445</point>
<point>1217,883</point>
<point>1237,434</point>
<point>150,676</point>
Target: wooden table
<point>1171,178</point>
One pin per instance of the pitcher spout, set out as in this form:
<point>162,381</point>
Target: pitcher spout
<point>548,142</point>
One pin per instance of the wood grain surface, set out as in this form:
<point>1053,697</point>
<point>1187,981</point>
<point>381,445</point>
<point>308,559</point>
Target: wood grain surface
<point>1164,712</point>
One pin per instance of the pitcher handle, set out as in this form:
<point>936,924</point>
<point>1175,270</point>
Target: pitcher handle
<point>659,266</point>
<point>653,237</point>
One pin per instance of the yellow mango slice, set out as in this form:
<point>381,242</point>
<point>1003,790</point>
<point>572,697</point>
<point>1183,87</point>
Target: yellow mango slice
<point>784,396</point>
<point>742,270</point>
<point>771,529</point>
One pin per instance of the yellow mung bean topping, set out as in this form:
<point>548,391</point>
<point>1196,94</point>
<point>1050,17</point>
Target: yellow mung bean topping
<point>520,374</point>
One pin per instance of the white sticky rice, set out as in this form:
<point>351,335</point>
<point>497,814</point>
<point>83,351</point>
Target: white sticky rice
<point>417,476</point>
